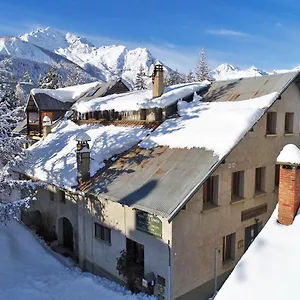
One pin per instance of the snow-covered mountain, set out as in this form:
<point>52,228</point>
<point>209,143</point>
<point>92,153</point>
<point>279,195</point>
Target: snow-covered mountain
<point>39,49</point>
<point>105,62</point>
<point>228,71</point>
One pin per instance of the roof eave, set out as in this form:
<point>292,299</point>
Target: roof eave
<point>175,212</point>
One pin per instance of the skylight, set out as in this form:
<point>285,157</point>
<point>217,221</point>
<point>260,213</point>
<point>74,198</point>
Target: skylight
<point>92,92</point>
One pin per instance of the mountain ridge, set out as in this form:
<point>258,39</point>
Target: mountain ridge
<point>85,62</point>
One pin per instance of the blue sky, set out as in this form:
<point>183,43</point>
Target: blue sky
<point>264,33</point>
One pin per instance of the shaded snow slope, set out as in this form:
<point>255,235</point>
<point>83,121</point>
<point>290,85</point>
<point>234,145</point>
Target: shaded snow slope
<point>53,159</point>
<point>216,126</point>
<point>269,269</point>
<point>29,272</point>
<point>139,99</point>
<point>108,62</point>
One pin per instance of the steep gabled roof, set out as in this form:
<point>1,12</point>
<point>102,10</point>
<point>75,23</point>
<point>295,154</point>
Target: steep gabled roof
<point>59,99</point>
<point>45,102</point>
<point>143,99</point>
<point>162,180</point>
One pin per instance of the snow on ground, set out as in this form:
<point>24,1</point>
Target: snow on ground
<point>289,154</point>
<point>139,99</point>
<point>216,126</point>
<point>53,159</point>
<point>29,272</point>
<point>269,269</point>
<point>67,94</point>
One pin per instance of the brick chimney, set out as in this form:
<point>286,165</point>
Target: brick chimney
<point>158,81</point>
<point>83,157</point>
<point>46,126</point>
<point>289,184</point>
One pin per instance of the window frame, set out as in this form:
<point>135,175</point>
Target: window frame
<point>271,123</point>
<point>260,178</point>
<point>237,185</point>
<point>289,123</point>
<point>52,196</point>
<point>228,248</point>
<point>104,233</point>
<point>62,196</point>
<point>211,192</point>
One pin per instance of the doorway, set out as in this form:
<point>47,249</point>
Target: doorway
<point>251,233</point>
<point>67,234</point>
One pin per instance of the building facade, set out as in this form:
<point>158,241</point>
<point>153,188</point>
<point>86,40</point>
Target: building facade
<point>225,213</point>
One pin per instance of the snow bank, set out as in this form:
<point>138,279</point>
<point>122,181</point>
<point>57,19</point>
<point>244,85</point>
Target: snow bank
<point>67,94</point>
<point>216,126</point>
<point>289,154</point>
<point>269,269</point>
<point>29,272</point>
<point>53,159</point>
<point>139,99</point>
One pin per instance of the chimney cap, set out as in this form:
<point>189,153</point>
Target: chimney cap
<point>46,121</point>
<point>82,137</point>
<point>289,155</point>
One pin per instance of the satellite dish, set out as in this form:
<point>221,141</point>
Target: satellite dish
<point>151,70</point>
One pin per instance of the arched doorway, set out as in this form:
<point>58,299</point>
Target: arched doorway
<point>66,230</point>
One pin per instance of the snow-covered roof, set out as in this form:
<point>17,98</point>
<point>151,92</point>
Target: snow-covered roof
<point>31,270</point>
<point>53,158</point>
<point>216,126</point>
<point>139,99</point>
<point>269,269</point>
<point>290,154</point>
<point>67,94</point>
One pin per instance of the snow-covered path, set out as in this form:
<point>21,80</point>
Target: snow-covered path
<point>29,272</point>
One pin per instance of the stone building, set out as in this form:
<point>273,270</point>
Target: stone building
<point>168,203</point>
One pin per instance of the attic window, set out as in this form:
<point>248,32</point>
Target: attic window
<point>289,123</point>
<point>92,93</point>
<point>271,123</point>
<point>210,192</point>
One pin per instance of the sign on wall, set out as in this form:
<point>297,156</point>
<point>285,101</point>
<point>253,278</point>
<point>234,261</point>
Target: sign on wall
<point>148,223</point>
<point>254,212</point>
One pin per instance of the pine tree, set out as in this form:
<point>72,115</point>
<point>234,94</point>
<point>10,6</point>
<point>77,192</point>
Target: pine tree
<point>52,80</point>
<point>202,69</point>
<point>27,77</point>
<point>20,95</point>
<point>190,77</point>
<point>174,77</point>
<point>11,148</point>
<point>140,83</point>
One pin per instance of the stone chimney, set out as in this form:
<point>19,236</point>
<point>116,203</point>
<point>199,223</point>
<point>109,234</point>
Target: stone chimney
<point>46,126</point>
<point>83,157</point>
<point>158,81</point>
<point>289,184</point>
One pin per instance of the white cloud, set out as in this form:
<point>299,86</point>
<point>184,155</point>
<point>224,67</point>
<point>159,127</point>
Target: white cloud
<point>227,32</point>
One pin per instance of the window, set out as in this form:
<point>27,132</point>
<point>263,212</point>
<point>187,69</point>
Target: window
<point>62,196</point>
<point>277,172</point>
<point>228,247</point>
<point>51,195</point>
<point>289,123</point>
<point>92,92</point>
<point>260,180</point>
<point>237,185</point>
<point>102,233</point>
<point>271,123</point>
<point>210,191</point>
